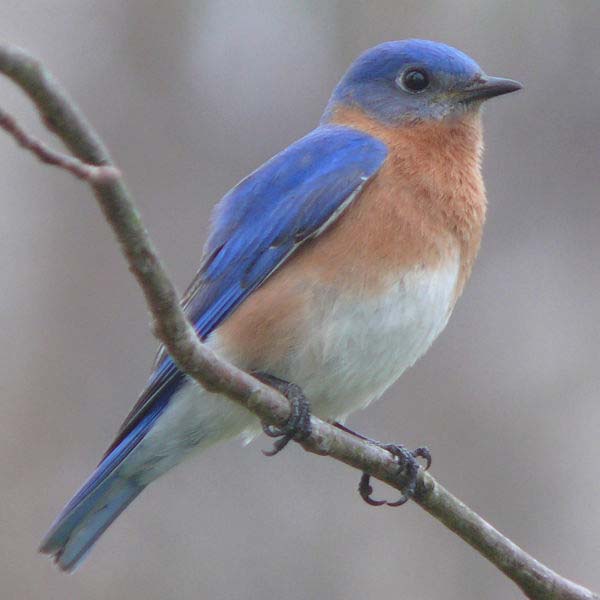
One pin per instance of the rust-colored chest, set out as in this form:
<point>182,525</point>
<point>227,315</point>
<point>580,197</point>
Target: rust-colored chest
<point>425,205</point>
<point>423,211</point>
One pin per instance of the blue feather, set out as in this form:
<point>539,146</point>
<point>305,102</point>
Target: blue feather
<point>256,226</point>
<point>105,494</point>
<point>276,208</point>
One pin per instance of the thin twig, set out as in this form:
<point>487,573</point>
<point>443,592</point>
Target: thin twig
<point>81,170</point>
<point>172,328</point>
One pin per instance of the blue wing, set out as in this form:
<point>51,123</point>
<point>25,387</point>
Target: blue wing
<point>256,227</point>
<point>260,223</point>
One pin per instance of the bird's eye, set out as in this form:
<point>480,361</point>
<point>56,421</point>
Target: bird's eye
<point>414,80</point>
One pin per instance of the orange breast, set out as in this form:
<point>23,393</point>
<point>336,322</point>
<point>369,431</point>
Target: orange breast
<point>429,193</point>
<point>425,205</point>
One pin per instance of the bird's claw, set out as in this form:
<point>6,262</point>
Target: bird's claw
<point>298,426</point>
<point>408,469</point>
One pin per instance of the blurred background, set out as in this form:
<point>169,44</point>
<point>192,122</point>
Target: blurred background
<point>190,95</point>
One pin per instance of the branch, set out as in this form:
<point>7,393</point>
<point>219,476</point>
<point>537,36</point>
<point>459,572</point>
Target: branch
<point>81,170</point>
<point>94,165</point>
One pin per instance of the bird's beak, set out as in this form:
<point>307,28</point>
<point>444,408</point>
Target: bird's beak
<point>489,87</point>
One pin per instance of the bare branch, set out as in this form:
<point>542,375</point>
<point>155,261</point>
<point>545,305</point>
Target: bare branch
<point>61,115</point>
<point>81,170</point>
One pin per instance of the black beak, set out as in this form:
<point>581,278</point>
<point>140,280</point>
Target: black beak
<point>490,87</point>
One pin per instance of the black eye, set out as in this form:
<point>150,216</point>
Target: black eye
<point>414,80</point>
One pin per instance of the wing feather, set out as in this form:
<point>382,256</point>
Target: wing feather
<point>258,225</point>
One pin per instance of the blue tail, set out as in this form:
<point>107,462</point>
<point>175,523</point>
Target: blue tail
<point>101,499</point>
<point>84,519</point>
<point>108,492</point>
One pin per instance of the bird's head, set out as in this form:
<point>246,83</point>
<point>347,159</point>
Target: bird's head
<point>415,80</point>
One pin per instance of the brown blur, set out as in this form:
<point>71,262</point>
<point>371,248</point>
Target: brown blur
<point>190,95</point>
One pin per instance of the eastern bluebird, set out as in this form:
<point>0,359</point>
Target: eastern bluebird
<point>333,266</point>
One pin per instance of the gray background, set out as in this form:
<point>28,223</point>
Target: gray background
<point>191,95</point>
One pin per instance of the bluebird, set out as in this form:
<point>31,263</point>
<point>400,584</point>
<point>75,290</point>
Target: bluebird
<point>330,269</point>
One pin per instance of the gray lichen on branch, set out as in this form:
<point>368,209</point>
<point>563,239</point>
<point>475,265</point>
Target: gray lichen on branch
<point>92,162</point>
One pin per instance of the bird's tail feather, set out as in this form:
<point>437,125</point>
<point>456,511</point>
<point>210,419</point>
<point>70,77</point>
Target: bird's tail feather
<point>87,516</point>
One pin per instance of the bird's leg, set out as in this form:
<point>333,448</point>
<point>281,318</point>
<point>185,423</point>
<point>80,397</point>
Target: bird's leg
<point>407,464</point>
<point>298,426</point>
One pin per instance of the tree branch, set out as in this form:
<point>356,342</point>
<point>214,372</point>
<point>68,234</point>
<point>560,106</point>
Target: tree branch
<point>81,170</point>
<point>92,163</point>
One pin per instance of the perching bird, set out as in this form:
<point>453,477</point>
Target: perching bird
<point>333,266</point>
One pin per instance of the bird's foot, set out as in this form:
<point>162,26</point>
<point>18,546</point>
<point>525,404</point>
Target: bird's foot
<point>298,426</point>
<point>408,468</point>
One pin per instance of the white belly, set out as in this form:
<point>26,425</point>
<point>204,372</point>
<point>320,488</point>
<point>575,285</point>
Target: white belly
<point>354,349</point>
